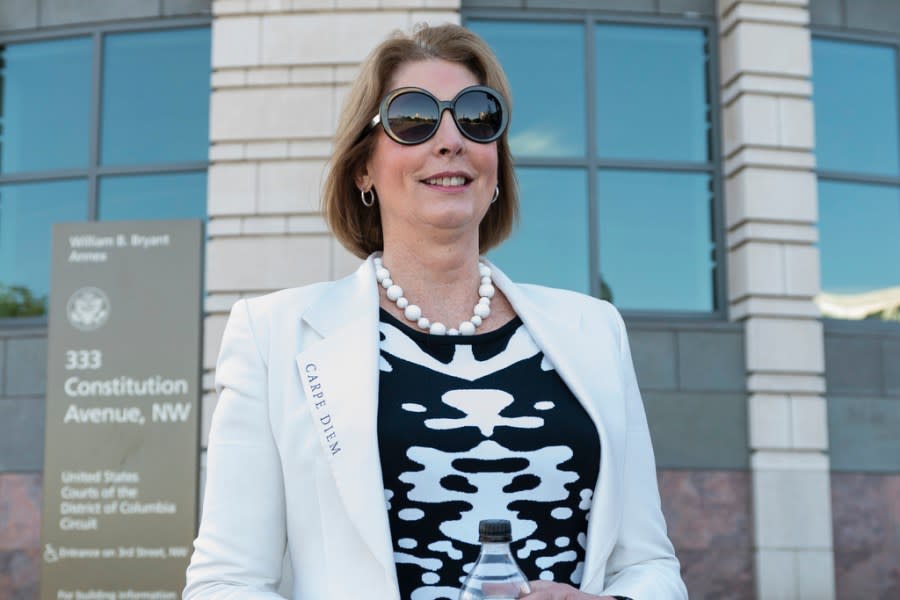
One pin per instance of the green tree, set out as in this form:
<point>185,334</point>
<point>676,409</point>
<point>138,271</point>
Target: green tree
<point>18,301</point>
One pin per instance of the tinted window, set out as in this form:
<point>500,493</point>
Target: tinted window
<point>171,196</point>
<point>45,94</point>
<point>545,66</point>
<point>653,229</point>
<point>859,233</point>
<point>27,212</point>
<point>550,246</point>
<point>152,91</point>
<point>656,243</point>
<point>855,95</point>
<point>155,97</point>
<point>651,93</point>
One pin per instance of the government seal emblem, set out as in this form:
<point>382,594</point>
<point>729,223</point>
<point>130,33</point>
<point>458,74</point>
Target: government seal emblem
<point>88,309</point>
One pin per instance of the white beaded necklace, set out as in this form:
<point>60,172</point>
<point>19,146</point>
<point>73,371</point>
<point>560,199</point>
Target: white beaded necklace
<point>413,313</point>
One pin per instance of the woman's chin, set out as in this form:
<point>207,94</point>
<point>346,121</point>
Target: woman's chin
<point>454,220</point>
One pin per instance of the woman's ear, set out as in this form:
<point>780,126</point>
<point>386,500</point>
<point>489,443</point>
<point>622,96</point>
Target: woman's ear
<point>362,179</point>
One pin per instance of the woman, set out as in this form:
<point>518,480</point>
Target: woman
<point>370,423</point>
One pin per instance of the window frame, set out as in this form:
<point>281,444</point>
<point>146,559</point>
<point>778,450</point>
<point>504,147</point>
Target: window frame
<point>592,164</point>
<point>841,35</point>
<point>94,170</point>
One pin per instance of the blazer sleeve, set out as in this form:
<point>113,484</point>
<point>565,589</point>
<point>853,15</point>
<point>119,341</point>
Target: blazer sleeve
<point>240,546</point>
<point>642,564</point>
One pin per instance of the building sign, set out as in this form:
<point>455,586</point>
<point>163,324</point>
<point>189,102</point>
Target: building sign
<point>123,390</point>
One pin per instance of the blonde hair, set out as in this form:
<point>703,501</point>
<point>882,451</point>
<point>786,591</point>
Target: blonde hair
<point>357,227</point>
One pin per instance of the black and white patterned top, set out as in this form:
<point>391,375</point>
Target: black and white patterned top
<point>480,427</point>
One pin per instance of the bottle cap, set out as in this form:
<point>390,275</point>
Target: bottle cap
<point>494,530</point>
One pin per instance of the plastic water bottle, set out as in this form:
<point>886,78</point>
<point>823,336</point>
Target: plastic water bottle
<point>495,575</point>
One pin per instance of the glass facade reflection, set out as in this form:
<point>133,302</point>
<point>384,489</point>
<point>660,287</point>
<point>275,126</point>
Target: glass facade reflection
<point>554,210</point>
<point>651,93</point>
<point>855,94</point>
<point>172,196</point>
<point>153,111</point>
<point>859,233</point>
<point>545,66</point>
<point>637,108</point>
<point>27,212</point>
<point>656,239</point>
<point>45,99</point>
<point>155,97</point>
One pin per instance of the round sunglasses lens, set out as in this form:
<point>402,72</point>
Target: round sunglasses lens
<point>412,116</point>
<point>479,114</point>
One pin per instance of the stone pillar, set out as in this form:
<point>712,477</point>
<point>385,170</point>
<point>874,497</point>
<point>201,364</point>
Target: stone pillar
<point>773,264</point>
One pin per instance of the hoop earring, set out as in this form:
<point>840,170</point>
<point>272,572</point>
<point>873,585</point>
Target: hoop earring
<point>367,202</point>
<point>496,194</point>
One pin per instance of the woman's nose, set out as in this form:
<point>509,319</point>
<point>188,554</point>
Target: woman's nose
<point>448,139</point>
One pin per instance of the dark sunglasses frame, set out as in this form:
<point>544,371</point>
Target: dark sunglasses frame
<point>382,116</point>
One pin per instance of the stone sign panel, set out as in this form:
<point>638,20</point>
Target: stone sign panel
<point>123,392</point>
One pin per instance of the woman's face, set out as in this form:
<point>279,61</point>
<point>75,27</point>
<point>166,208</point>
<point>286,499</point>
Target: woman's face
<point>417,203</point>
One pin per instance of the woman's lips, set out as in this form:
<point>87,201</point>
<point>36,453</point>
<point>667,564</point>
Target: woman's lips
<point>448,182</point>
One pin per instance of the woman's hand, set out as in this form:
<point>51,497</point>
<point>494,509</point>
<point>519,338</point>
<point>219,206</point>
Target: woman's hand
<point>549,590</point>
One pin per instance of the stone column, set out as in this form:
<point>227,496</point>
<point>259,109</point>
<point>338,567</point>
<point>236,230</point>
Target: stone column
<point>773,264</point>
<point>280,71</point>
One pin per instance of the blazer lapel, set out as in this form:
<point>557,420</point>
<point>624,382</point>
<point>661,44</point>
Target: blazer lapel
<point>340,381</point>
<point>591,371</point>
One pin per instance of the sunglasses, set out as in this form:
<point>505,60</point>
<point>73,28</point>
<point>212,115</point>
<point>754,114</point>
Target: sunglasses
<point>411,115</point>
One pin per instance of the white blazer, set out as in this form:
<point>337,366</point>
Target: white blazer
<point>293,454</point>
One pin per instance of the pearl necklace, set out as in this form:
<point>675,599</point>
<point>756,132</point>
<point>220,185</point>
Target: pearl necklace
<point>413,313</point>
